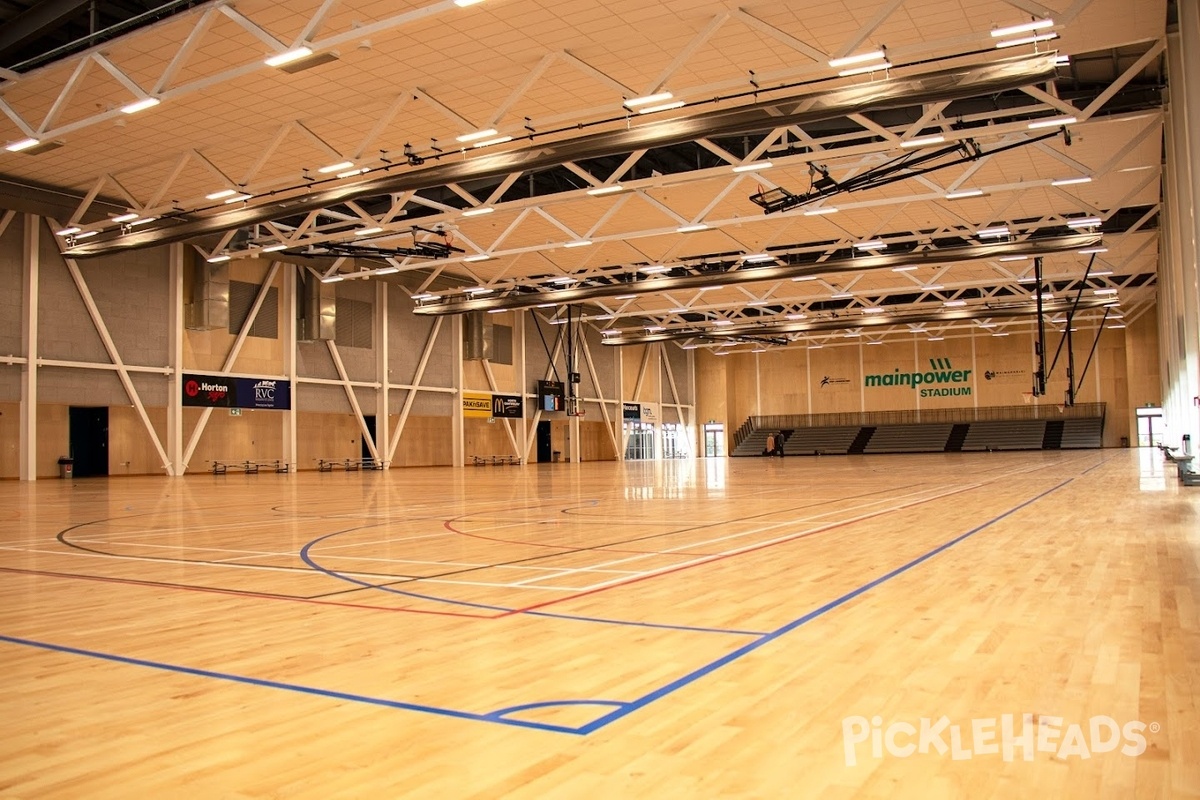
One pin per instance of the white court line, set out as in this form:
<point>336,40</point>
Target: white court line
<point>768,542</point>
<point>498,585</point>
<point>479,566</point>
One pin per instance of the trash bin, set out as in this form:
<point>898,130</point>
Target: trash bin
<point>1187,444</point>
<point>557,456</point>
<point>66,467</point>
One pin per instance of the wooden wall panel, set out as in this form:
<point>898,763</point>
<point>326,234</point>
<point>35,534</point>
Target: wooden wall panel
<point>782,379</point>
<point>10,440</point>
<point>131,451</point>
<point>836,380</point>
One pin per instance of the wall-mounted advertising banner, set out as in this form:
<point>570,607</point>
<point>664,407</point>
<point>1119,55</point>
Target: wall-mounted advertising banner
<point>222,391</point>
<point>507,406</point>
<point>477,405</point>
<point>649,412</point>
<point>631,412</point>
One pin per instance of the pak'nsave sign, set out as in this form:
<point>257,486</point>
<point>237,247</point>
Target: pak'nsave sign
<point>937,382</point>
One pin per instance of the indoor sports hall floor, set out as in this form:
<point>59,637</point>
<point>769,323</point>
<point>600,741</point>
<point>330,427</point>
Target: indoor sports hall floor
<point>702,628</point>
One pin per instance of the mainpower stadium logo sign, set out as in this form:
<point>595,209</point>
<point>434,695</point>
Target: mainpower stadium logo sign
<point>931,383</point>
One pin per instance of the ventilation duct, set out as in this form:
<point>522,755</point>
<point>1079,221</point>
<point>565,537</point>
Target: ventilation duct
<point>478,335</point>
<point>208,302</point>
<point>317,316</point>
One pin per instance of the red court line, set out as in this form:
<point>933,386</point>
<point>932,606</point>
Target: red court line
<point>234,592</point>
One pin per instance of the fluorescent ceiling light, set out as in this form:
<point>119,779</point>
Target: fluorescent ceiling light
<point>465,3</point>
<point>476,136</point>
<point>237,198</point>
<point>68,231</point>
<point>387,270</point>
<point>872,310</point>
<point>874,342</point>
<point>646,100</point>
<point>655,269</point>
<point>578,243</point>
<point>274,248</point>
<point>497,140</point>
<point>478,212</point>
<point>288,56</point>
<point>1027,279</point>
<point>142,220</point>
<point>368,231</point>
<point>846,73</point>
<point>991,233</point>
<point>85,234</point>
<point>1084,222</point>
<point>846,61</point>
<point>903,269</point>
<point>603,316</point>
<point>816,212</point>
<point>937,287</point>
<point>602,190</point>
<point>923,141</point>
<point>545,305</point>
<point>663,107</point>
<point>804,278</point>
<point>140,105</point>
<point>338,167</point>
<point>333,278</point>
<point>1044,37</point>
<point>564,280</point>
<point>964,193</point>
<point>722,322</point>
<point>655,328</point>
<point>1025,27</point>
<point>936,339</point>
<point>815,346</point>
<point>1070,181</point>
<point>692,228</point>
<point>497,310</point>
<point>353,172</point>
<point>125,217</point>
<point>1013,258</point>
<point>1104,291</point>
<point>1098,272</point>
<point>851,334</point>
<point>609,331</point>
<point>1114,327</point>
<point>1090,250</point>
<point>221,195</point>
<point>479,257</point>
<point>479,290</point>
<point>841,296</point>
<point>986,324</point>
<point>753,166</point>
<point>955,303</point>
<point>426,296</point>
<point>1051,123</point>
<point>1000,334</point>
<point>218,259</point>
<point>624,297</point>
<point>758,258</point>
<point>710,288</point>
<point>678,310</point>
<point>797,316</point>
<point>874,244</point>
<point>22,144</point>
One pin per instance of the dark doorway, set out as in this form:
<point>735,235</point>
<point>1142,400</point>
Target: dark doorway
<point>88,437</point>
<point>366,449</point>
<point>545,451</point>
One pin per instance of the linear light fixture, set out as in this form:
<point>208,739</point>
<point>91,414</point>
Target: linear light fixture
<point>1070,181</point>
<point>797,316</point>
<point>22,144</point>
<point>275,248</point>
<point>846,73</point>
<point>954,303</point>
<point>752,167</point>
<point>126,217</point>
<point>221,195</point>
<point>1104,291</point>
<point>603,190</point>
<point>338,167</point>
<point>909,268</point>
<point>722,322</point>
<point>85,234</point>
<point>923,141</point>
<point>368,231</point>
<point>937,287</point>
<point>477,212</point>
<point>841,296</point>
<point>333,278</point>
<point>1013,258</point>
<point>391,270</point>
<point>490,142</point>
<point>1084,222</point>
<point>68,231</point>
<point>142,220</point>
<point>479,257</point>
<point>140,105</point>
<point>758,258</point>
<point>691,228</point>
<point>288,56</point>
<point>873,310</point>
<point>426,296</point>
<point>465,3</point>
<point>804,278</point>
<point>1051,123</point>
<point>846,61</point>
<point>1089,251</point>
<point>218,259</point>
<point>476,135</point>
<point>237,198</point>
<point>965,193</point>
<point>992,233</point>
<point>1024,27</point>
<point>624,297</point>
<point>1044,37</point>
<point>816,212</point>
<point>578,243</point>
<point>649,99</point>
<point>479,290</point>
<point>1100,272</point>
<point>663,107</point>
<point>936,339</point>
<point>350,173</point>
<point>873,244</point>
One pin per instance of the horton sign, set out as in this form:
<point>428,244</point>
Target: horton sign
<point>942,380</point>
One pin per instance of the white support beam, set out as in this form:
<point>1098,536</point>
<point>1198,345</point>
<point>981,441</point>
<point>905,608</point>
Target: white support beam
<point>457,433</point>
<point>175,328</point>
<point>519,370</point>
<point>352,398</point>
<point>495,388</point>
<point>287,336</point>
<point>411,397</point>
<point>27,448</point>
<point>383,402</point>
<point>608,423</point>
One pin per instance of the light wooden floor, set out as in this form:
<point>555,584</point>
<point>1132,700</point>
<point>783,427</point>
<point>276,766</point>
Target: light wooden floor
<point>658,630</point>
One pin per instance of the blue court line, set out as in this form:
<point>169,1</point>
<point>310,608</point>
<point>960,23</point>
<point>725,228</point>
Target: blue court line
<point>750,647</point>
<point>623,708</point>
<point>295,687</point>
